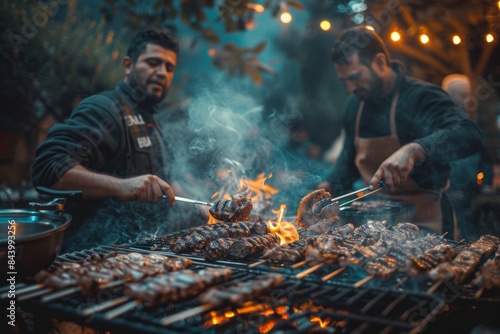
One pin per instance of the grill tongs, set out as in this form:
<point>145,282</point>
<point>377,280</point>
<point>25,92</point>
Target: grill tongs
<point>319,205</point>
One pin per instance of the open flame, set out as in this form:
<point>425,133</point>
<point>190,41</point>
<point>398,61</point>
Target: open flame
<point>285,230</point>
<point>256,190</point>
<point>261,195</point>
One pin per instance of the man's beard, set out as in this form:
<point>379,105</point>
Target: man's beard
<point>375,93</point>
<point>141,93</point>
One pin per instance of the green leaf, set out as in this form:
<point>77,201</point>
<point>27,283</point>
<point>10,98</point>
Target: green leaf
<point>253,73</point>
<point>260,47</point>
<point>231,47</point>
<point>210,35</point>
<point>295,4</point>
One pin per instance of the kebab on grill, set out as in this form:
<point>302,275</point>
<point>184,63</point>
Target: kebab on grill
<point>291,253</point>
<point>384,258</point>
<point>218,248</point>
<point>242,291</point>
<point>336,243</point>
<point>238,208</point>
<point>89,275</point>
<point>202,237</point>
<point>431,258</point>
<point>243,248</point>
<point>466,261</point>
<point>305,216</point>
<point>488,276</point>
<point>175,286</point>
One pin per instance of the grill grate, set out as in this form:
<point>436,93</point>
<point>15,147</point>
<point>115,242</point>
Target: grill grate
<point>296,306</point>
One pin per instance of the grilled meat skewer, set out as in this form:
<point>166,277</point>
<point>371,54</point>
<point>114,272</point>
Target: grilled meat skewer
<point>176,286</point>
<point>238,208</point>
<point>218,248</point>
<point>201,238</point>
<point>245,247</point>
<point>464,264</point>
<point>242,292</point>
<point>488,276</point>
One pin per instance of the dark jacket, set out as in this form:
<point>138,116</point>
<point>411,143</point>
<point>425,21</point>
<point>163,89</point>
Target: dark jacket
<point>108,133</point>
<point>425,114</point>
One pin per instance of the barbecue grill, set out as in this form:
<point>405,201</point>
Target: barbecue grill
<point>296,306</point>
<point>321,298</point>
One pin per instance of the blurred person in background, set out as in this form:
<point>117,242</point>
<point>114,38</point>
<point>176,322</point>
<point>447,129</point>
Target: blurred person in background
<point>473,175</point>
<point>111,149</point>
<point>398,130</point>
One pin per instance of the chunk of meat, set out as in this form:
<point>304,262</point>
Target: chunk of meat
<point>305,216</point>
<point>238,208</point>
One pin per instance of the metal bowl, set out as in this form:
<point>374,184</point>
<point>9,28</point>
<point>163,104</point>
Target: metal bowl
<point>30,240</point>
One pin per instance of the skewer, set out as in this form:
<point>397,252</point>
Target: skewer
<point>255,264</point>
<point>433,288</point>
<point>363,281</point>
<point>333,274</point>
<point>23,290</point>
<point>458,243</point>
<point>35,294</point>
<point>402,281</point>
<point>105,305</point>
<point>168,320</point>
<point>479,293</point>
<point>122,309</point>
<point>298,264</point>
<point>60,294</point>
<point>7,287</point>
<point>309,271</point>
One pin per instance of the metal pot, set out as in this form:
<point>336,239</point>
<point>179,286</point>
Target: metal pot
<point>31,239</point>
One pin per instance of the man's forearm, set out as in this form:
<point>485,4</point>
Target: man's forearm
<point>93,185</point>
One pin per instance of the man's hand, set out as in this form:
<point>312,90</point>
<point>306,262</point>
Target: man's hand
<point>145,188</point>
<point>396,169</point>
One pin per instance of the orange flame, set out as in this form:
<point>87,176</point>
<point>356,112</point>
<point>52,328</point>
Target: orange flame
<point>256,190</point>
<point>322,323</point>
<point>285,230</point>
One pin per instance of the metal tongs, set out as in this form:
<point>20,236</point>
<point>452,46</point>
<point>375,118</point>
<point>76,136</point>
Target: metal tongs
<point>319,205</point>
<point>191,201</point>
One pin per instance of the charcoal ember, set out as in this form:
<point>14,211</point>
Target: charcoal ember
<point>305,215</point>
<point>238,208</point>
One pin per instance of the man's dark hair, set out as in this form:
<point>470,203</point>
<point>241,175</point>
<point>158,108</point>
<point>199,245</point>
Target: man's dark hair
<point>361,41</point>
<point>153,36</point>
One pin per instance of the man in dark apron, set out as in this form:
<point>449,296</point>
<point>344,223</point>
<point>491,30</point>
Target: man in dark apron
<point>398,130</point>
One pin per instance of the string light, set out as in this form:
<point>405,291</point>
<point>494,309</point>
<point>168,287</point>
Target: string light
<point>498,5</point>
<point>489,38</point>
<point>286,17</point>
<point>480,177</point>
<point>424,39</point>
<point>370,28</point>
<point>255,6</point>
<point>325,25</point>
<point>395,36</point>
<point>456,39</point>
